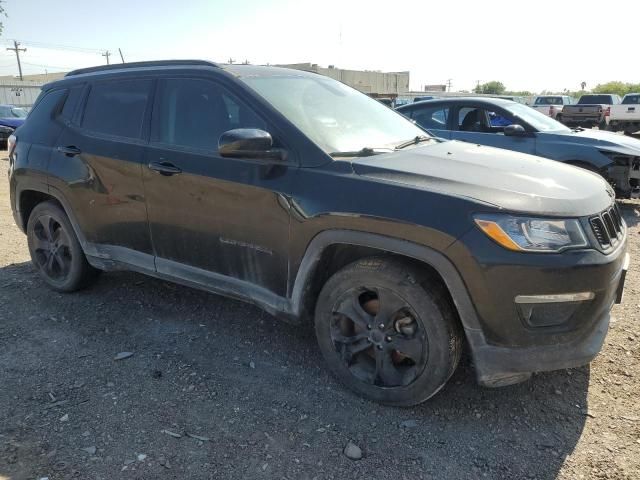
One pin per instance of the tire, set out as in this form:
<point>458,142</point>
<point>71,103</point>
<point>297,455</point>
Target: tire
<point>602,125</point>
<point>55,250</point>
<point>559,118</point>
<point>388,331</point>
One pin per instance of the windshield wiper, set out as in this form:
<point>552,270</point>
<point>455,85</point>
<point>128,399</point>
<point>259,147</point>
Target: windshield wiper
<point>414,141</point>
<point>364,152</point>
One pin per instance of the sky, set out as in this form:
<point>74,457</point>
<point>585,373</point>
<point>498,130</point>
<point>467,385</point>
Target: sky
<point>527,45</point>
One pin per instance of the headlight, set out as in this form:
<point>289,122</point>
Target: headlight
<point>526,234</point>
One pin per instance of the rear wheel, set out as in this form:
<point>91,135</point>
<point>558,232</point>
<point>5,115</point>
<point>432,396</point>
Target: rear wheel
<point>559,118</point>
<point>388,331</point>
<point>55,250</point>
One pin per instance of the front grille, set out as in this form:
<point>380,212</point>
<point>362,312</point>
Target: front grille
<point>608,227</point>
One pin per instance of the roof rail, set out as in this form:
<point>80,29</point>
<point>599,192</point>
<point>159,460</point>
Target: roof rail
<point>155,63</point>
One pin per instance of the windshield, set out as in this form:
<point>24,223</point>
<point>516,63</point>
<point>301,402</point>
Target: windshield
<point>334,116</point>
<point>631,99</point>
<point>537,120</point>
<point>549,101</point>
<point>12,112</point>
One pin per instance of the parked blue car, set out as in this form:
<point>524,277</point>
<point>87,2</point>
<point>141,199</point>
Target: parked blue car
<point>513,126</point>
<point>10,118</point>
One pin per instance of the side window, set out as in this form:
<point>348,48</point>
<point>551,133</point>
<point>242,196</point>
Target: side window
<point>431,117</point>
<point>117,107</point>
<point>469,119</point>
<point>194,113</point>
<point>499,120</point>
<point>71,103</point>
<point>40,127</point>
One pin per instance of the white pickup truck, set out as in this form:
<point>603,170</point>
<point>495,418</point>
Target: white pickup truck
<point>552,105</point>
<point>626,116</point>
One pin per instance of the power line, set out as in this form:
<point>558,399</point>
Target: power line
<point>18,50</point>
<point>54,46</point>
<point>47,66</point>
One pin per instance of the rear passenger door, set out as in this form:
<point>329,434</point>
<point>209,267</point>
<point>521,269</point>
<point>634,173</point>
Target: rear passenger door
<point>213,218</point>
<point>434,118</point>
<point>96,167</point>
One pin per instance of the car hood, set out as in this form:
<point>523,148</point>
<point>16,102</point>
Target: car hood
<point>508,180</point>
<point>12,122</point>
<point>608,141</point>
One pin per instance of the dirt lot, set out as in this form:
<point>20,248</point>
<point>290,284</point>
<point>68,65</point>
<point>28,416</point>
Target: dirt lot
<point>219,389</point>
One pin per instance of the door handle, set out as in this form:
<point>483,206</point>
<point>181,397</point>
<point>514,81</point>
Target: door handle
<point>164,168</point>
<point>69,151</point>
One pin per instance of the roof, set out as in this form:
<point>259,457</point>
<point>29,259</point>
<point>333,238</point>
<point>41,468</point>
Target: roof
<point>139,65</point>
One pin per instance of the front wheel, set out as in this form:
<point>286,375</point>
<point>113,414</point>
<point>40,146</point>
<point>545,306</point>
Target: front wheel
<point>388,331</point>
<point>55,250</point>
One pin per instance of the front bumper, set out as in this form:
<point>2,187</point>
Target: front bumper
<point>510,342</point>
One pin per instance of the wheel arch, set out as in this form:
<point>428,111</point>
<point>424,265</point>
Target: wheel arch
<point>320,254</point>
<point>27,198</point>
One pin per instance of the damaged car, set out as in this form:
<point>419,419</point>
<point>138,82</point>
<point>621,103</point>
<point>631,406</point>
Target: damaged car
<point>301,195</point>
<point>510,125</point>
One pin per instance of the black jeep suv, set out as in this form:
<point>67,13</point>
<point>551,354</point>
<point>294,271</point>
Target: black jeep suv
<point>303,196</point>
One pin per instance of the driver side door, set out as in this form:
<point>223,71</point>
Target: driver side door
<point>479,124</point>
<point>213,219</point>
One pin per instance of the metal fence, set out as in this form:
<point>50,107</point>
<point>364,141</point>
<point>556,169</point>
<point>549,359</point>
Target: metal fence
<point>20,94</point>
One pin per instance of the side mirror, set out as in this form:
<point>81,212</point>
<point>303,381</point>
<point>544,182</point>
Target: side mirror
<point>515,131</point>
<point>248,143</point>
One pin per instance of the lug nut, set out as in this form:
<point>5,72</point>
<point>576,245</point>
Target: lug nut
<point>379,347</point>
<point>381,326</point>
<point>369,327</point>
<point>388,339</point>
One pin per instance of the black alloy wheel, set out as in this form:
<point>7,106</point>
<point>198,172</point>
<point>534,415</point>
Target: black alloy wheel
<point>378,337</point>
<point>55,250</point>
<point>387,330</point>
<point>51,248</point>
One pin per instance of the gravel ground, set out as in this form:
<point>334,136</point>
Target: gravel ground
<point>218,389</point>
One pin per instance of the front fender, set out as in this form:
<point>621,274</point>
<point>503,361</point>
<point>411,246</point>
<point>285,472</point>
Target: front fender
<point>429,256</point>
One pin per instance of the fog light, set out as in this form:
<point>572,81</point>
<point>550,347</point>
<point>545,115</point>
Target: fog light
<point>550,310</point>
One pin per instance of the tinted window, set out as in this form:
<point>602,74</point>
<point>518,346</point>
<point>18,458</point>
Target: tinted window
<point>40,127</point>
<point>549,101</point>
<point>195,113</point>
<point>71,103</point>
<point>117,107</point>
<point>469,119</point>
<point>631,99</point>
<point>596,99</point>
<point>431,117</point>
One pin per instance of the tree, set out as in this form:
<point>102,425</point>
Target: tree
<point>2,14</point>
<point>619,88</point>
<point>493,88</point>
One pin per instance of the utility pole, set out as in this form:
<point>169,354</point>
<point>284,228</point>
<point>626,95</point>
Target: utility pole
<point>18,50</point>
<point>449,84</point>
<point>107,54</point>
<point>231,60</point>
<point>121,57</point>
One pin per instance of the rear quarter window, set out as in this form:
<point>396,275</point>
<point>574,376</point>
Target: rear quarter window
<point>117,107</point>
<point>41,126</point>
